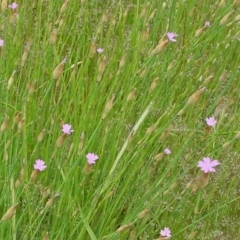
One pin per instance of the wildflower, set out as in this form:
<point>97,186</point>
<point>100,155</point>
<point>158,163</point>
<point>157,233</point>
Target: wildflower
<point>207,24</point>
<point>13,5</point>
<point>166,232</point>
<point>100,50</point>
<point>167,151</point>
<point>66,128</point>
<point>39,165</point>
<point>1,43</point>
<point>207,165</point>
<point>91,157</point>
<point>171,36</point>
<point>211,121</point>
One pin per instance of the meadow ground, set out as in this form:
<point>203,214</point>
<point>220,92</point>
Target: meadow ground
<point>119,119</point>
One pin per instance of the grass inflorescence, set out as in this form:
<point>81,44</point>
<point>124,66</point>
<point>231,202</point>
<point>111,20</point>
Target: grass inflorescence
<point>119,119</point>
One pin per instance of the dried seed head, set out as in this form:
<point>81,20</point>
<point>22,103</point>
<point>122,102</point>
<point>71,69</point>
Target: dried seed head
<point>143,213</point>
<point>151,129</point>
<point>236,3</point>
<point>153,85</point>
<point>51,200</point>
<point>159,156</point>
<point>18,182</point>
<point>21,125</point>
<point>200,182</point>
<point>34,175</point>
<point>105,16</point>
<point>152,15</point>
<point>64,6</point>
<point>46,236</point>
<point>208,80</point>
<point>25,54</point>
<point>200,31</point>
<point>122,61</point>
<point>88,168</point>
<point>159,48</point>
<point>4,5</point>
<point>93,49</point>
<point>192,12</point>
<point>144,10</point>
<point>225,145</point>
<point>124,227</point>
<point>108,107</point>
<point>53,36</point>
<point>225,19</point>
<point>41,135</point>
<point>195,96</point>
<point>57,72</point>
<point>101,68</point>
<point>171,65</point>
<point>10,212</point>
<point>146,34</point>
<point>10,81</point>
<point>45,193</point>
<point>61,140</point>
<point>222,4</point>
<point>4,125</point>
<point>192,235</point>
<point>131,95</point>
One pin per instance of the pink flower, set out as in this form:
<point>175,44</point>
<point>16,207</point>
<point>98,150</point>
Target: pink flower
<point>1,43</point>
<point>211,121</point>
<point>91,157</point>
<point>66,128</point>
<point>207,165</point>
<point>167,151</point>
<point>13,5</point>
<point>171,36</point>
<point>39,165</point>
<point>207,24</point>
<point>100,50</point>
<point>166,232</point>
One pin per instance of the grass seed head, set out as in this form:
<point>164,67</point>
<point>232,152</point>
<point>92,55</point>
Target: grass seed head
<point>64,7</point>
<point>41,135</point>
<point>225,19</point>
<point>10,212</point>
<point>159,48</point>
<point>53,36</point>
<point>131,95</point>
<point>236,3</point>
<point>143,213</point>
<point>195,96</point>
<point>4,5</point>
<point>11,80</point>
<point>46,236</point>
<point>57,72</point>
<point>222,3</point>
<point>153,85</point>
<point>93,50</point>
<point>4,125</point>
<point>61,140</point>
<point>124,227</point>
<point>21,125</point>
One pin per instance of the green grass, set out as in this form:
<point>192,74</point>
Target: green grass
<point>126,179</point>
